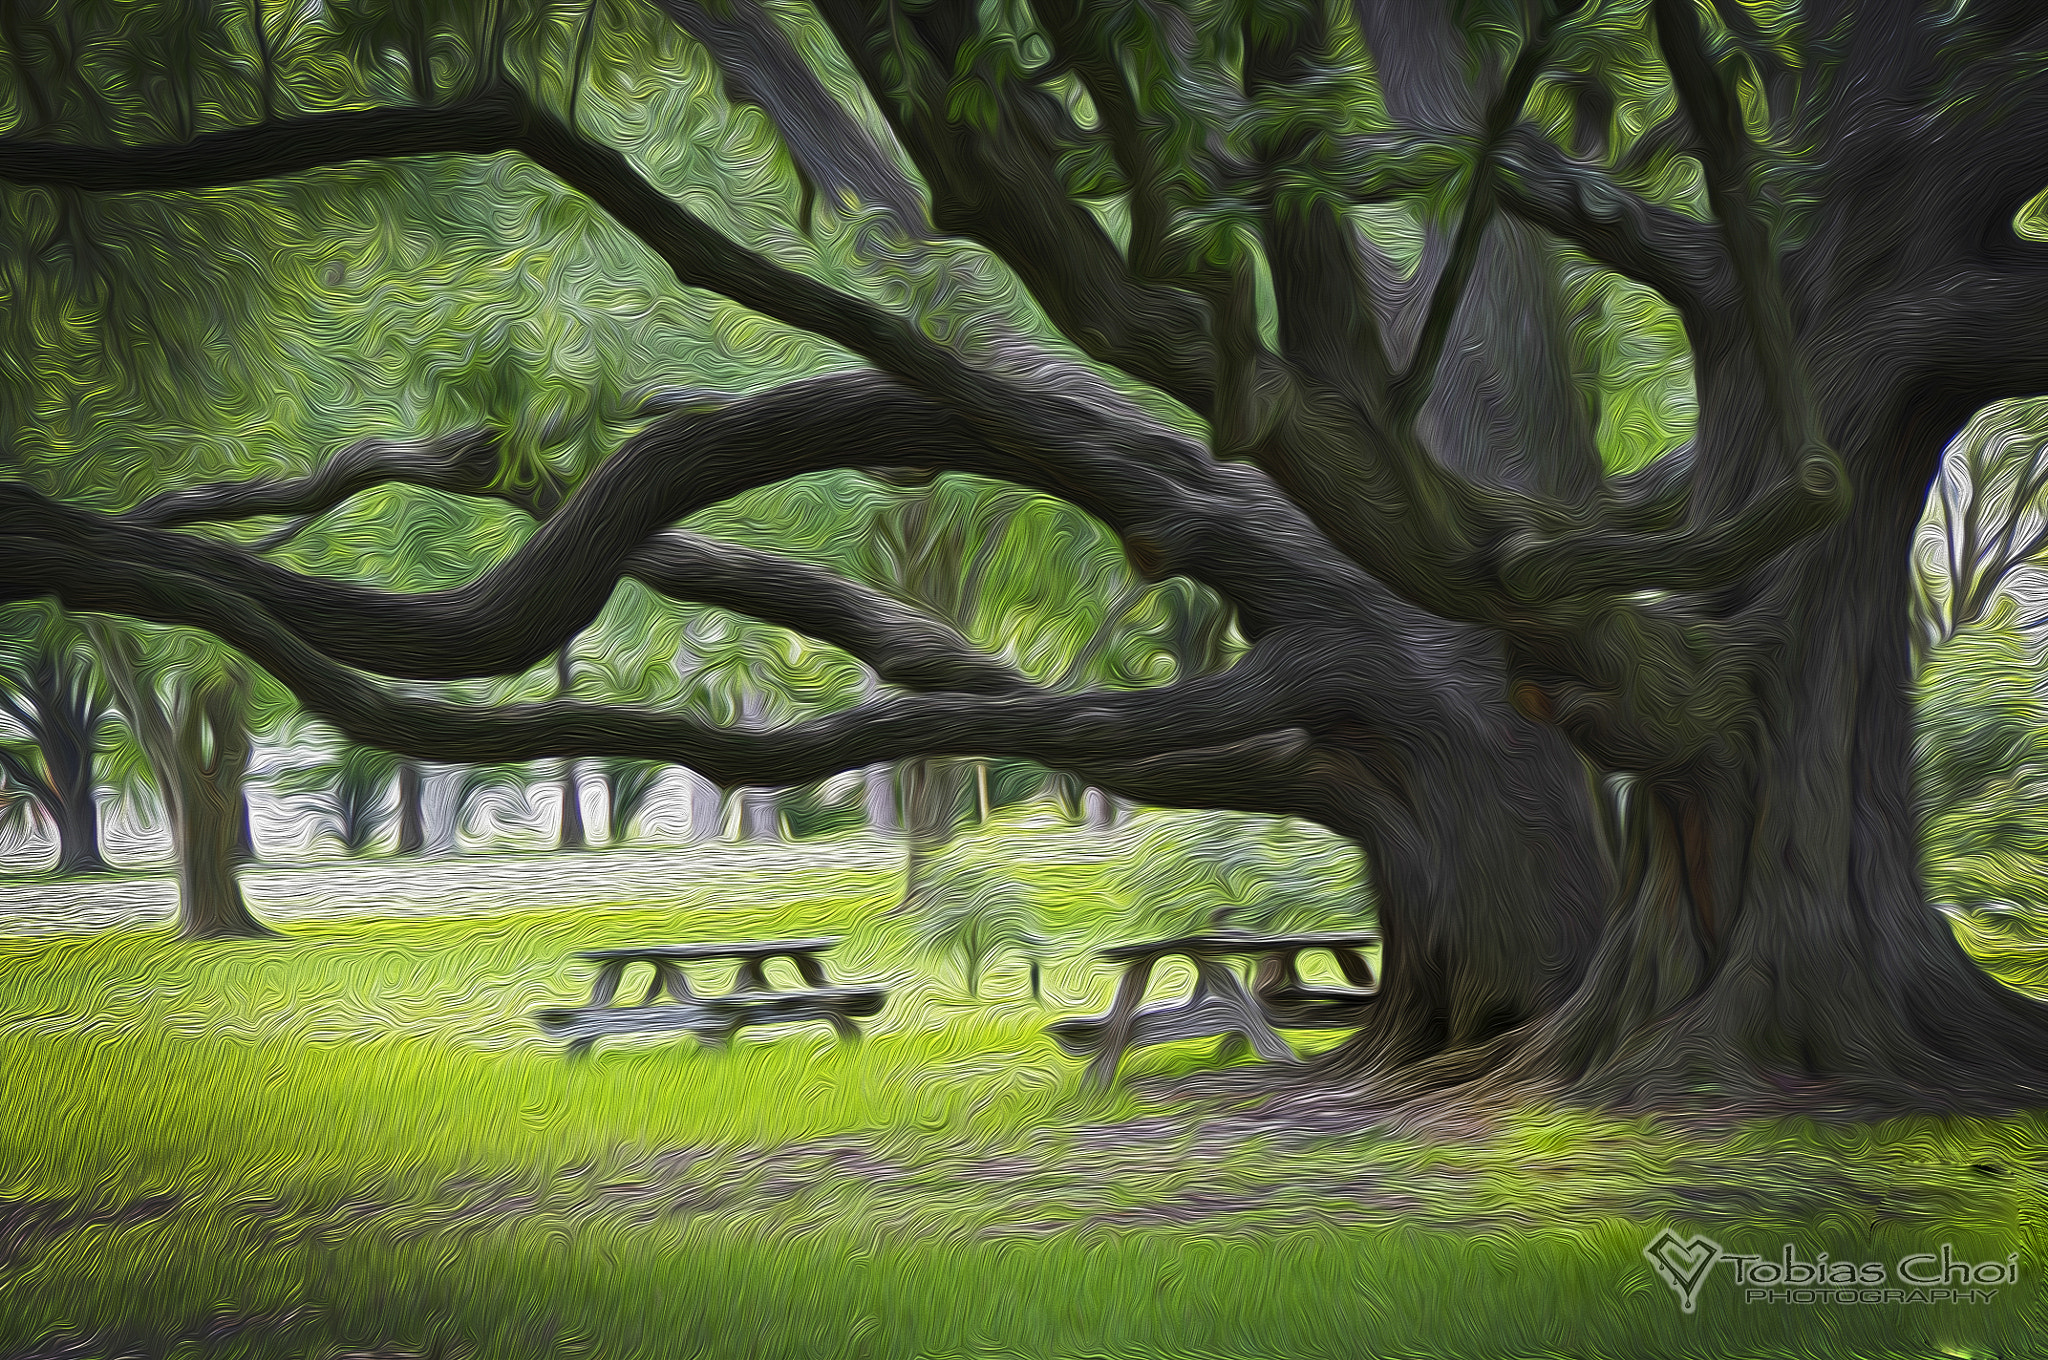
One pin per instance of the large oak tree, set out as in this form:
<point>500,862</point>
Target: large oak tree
<point>1630,753</point>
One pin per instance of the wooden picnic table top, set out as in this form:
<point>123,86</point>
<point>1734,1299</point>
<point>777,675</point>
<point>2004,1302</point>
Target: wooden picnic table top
<point>1226,943</point>
<point>752,949</point>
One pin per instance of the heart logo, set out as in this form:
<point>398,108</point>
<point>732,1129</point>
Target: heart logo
<point>1684,1265</point>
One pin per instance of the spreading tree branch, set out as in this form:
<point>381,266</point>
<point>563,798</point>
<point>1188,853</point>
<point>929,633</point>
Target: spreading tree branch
<point>1729,160</point>
<point>1060,730</point>
<point>1001,185</point>
<point>557,581</point>
<point>481,126</point>
<point>763,68</point>
<point>1411,388</point>
<point>465,463</point>
<point>903,646</point>
<point>1328,331</point>
<point>1073,438</point>
<point>1683,260</point>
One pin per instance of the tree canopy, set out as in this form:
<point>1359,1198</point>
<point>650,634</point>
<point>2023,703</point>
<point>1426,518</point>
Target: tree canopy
<point>1544,390</point>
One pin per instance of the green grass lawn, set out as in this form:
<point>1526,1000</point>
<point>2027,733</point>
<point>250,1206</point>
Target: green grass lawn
<point>352,1141</point>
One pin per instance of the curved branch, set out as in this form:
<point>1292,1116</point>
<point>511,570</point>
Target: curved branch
<point>1683,260</point>
<point>1411,388</point>
<point>1002,187</point>
<point>463,464</point>
<point>1698,557</point>
<point>556,583</point>
<point>764,69</point>
<point>1059,730</point>
<point>479,126</point>
<point>901,645</point>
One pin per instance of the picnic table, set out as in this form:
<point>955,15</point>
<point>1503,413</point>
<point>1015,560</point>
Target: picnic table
<point>1220,1004</point>
<point>712,1019</point>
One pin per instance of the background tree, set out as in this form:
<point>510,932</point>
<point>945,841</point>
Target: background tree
<point>1982,766</point>
<point>628,786</point>
<point>196,737</point>
<point>1988,521</point>
<point>50,698</point>
<point>351,790</point>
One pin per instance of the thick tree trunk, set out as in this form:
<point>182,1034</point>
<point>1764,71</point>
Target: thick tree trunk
<point>198,749</point>
<point>412,820</point>
<point>1487,870</point>
<point>1774,942</point>
<point>209,811</point>
<point>204,831</point>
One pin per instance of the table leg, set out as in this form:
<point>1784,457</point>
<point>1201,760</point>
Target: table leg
<point>668,978</point>
<point>1275,971</point>
<point>1116,1027</point>
<point>607,985</point>
<point>1356,970</point>
<point>1265,1041</point>
<point>809,970</point>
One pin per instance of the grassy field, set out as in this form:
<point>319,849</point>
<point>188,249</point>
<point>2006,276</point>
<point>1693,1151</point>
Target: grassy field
<point>351,1141</point>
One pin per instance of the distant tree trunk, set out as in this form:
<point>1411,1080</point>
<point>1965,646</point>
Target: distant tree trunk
<point>934,792</point>
<point>198,749</point>
<point>758,819</point>
<point>614,824</point>
<point>68,757</point>
<point>245,831</point>
<point>412,821</point>
<point>1068,794</point>
<point>628,784</point>
<point>573,837</point>
<point>706,806</point>
<point>758,808</point>
<point>879,792</point>
<point>78,836</point>
<point>208,812</point>
<point>62,712</point>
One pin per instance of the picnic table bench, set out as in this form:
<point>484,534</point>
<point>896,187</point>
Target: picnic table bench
<point>712,1019</point>
<point>1219,1003</point>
